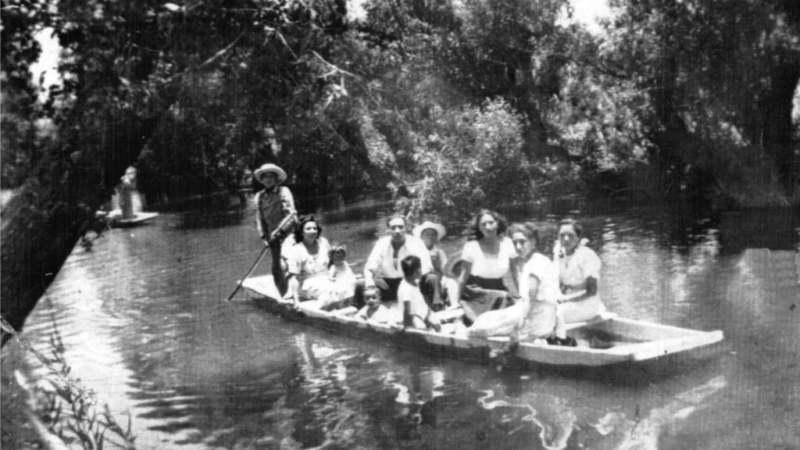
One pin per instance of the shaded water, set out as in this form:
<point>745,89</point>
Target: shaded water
<point>144,325</point>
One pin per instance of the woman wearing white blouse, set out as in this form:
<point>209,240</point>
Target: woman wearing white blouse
<point>579,272</point>
<point>487,258</point>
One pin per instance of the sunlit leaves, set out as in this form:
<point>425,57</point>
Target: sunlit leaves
<point>719,74</point>
<point>600,120</point>
<point>469,157</point>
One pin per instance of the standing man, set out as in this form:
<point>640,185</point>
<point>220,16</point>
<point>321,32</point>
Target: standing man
<point>126,189</point>
<point>383,265</point>
<point>274,204</point>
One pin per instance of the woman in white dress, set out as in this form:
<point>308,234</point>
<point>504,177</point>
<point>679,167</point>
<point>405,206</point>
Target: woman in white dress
<point>534,315</point>
<point>487,257</point>
<point>308,261</point>
<point>579,273</point>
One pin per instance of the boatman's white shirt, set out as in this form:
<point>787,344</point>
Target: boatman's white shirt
<point>382,262</point>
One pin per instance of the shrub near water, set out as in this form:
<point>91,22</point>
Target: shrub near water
<point>469,158</point>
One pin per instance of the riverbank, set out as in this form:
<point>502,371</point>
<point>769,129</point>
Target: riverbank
<point>17,431</point>
<point>19,424</point>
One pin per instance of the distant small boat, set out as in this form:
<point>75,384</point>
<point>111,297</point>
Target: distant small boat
<point>604,341</point>
<point>115,219</point>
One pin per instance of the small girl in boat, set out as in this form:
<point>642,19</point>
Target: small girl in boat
<point>375,311</point>
<point>340,291</point>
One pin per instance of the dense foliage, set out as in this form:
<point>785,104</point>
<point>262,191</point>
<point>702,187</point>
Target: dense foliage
<point>468,158</point>
<point>340,102</point>
<point>721,77</point>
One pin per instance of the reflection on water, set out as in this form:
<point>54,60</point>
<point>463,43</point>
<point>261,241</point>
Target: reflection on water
<point>562,424</point>
<point>144,323</point>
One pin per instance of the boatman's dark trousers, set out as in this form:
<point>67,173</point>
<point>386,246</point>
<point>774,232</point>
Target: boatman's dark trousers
<point>278,274</point>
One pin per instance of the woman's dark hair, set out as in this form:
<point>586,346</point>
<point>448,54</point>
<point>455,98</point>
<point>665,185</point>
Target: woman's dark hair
<point>575,226</point>
<point>474,227</point>
<point>298,230</point>
<point>526,228</point>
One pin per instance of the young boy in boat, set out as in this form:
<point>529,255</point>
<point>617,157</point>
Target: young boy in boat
<point>374,311</point>
<point>431,233</point>
<point>416,313</point>
<point>274,204</point>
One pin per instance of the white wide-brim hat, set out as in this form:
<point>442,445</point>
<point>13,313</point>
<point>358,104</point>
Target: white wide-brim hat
<point>439,228</point>
<point>270,168</point>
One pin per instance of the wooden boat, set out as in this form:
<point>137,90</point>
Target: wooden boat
<point>115,219</point>
<point>604,341</point>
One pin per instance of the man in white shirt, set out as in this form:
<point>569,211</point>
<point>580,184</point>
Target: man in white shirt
<point>383,265</point>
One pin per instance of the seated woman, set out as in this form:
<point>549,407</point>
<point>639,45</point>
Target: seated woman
<point>308,261</point>
<point>534,316</point>
<point>487,257</point>
<point>579,272</point>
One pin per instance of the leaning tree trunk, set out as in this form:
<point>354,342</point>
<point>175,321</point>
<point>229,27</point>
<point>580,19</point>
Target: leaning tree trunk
<point>43,222</point>
<point>777,128</point>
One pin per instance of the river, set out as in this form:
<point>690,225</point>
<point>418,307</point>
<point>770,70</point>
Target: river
<point>144,324</point>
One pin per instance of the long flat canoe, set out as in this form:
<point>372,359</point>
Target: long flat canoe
<point>603,341</point>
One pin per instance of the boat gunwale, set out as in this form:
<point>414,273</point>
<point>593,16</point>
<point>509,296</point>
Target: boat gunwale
<point>528,352</point>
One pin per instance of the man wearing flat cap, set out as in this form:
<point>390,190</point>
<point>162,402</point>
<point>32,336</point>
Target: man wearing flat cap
<point>275,203</point>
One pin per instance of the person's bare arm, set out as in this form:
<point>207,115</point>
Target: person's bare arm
<point>373,262</point>
<point>516,266</point>
<point>466,270</point>
<point>533,287</point>
<point>589,292</point>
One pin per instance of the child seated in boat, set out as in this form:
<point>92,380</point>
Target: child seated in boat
<point>374,311</point>
<point>416,313</point>
<point>431,234</point>
<point>340,290</point>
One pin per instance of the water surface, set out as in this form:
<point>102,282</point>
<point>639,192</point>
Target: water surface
<point>145,325</point>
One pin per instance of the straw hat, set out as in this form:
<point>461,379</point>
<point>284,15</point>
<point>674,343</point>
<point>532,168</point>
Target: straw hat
<point>452,264</point>
<point>439,228</point>
<point>270,168</point>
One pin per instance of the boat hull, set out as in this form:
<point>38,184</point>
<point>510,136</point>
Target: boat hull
<point>622,342</point>
<point>117,221</point>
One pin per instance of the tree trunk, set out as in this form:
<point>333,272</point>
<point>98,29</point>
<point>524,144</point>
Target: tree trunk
<point>777,128</point>
<point>44,221</point>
